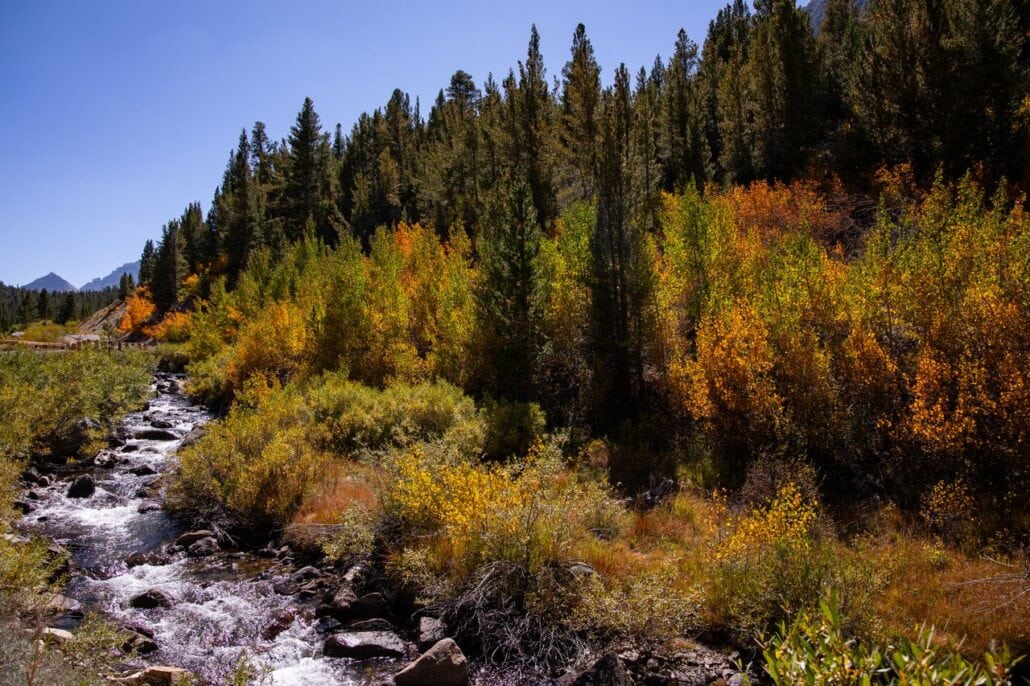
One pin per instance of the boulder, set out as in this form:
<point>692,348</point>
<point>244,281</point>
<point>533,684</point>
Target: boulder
<point>22,506</point>
<point>59,604</point>
<point>56,636</point>
<point>153,557</point>
<point>143,470</point>
<point>130,448</point>
<point>305,574</point>
<point>203,547</point>
<point>364,645</point>
<point>138,642</point>
<point>355,575</point>
<point>371,625</point>
<point>148,506</point>
<point>442,665</point>
<point>161,424</point>
<point>190,537</point>
<point>192,437</point>
<point>155,597</point>
<point>342,599</point>
<point>430,632</point>
<point>368,606</point>
<point>609,670</point>
<point>158,675</point>
<point>43,481</point>
<point>157,435</point>
<point>83,487</point>
<point>105,460</point>
<point>280,623</point>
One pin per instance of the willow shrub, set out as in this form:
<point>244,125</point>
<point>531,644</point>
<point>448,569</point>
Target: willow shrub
<point>816,649</point>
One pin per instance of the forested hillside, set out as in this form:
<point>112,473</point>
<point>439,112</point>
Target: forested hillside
<point>744,333</point>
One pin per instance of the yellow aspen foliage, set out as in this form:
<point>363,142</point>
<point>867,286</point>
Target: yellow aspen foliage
<point>138,310</point>
<point>175,327</point>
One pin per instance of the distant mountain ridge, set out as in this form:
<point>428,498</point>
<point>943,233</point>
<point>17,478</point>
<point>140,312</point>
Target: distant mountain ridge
<point>57,284</point>
<point>817,11</point>
<point>112,279</point>
<point>51,282</point>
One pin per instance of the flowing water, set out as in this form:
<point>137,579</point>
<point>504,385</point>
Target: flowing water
<point>222,604</point>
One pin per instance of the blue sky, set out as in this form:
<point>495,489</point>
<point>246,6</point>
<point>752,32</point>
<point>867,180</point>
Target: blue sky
<point>115,115</point>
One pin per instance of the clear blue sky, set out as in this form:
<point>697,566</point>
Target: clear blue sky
<point>115,115</point>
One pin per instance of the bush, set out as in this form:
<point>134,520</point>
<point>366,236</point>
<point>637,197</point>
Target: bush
<point>512,428</point>
<point>816,650</point>
<point>253,467</point>
<point>355,417</point>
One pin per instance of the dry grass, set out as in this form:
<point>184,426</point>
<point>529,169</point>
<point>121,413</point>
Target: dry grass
<point>345,486</point>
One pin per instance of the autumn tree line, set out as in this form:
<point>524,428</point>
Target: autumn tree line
<point>20,306</point>
<point>778,247</point>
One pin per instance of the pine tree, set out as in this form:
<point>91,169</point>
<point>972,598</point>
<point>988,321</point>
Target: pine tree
<point>581,95</point>
<point>620,282</point>
<point>43,304</point>
<point>508,296</point>
<point>307,192</point>
<point>238,229</point>
<point>147,262</point>
<point>67,311</point>
<point>170,267</point>
<point>681,131</point>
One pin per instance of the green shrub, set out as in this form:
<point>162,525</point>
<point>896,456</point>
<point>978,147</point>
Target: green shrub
<point>356,417</point>
<point>816,651</point>
<point>511,428</point>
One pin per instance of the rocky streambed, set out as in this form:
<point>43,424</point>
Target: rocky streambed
<point>189,600</point>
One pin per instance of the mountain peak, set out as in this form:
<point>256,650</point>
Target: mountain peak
<point>51,282</point>
<point>112,279</point>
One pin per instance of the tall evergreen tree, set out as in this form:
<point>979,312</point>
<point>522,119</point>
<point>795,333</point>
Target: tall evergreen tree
<point>170,267</point>
<point>682,135</point>
<point>508,296</point>
<point>580,100</point>
<point>307,192</point>
<point>147,261</point>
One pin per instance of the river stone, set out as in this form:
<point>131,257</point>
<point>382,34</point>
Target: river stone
<point>343,598</point>
<point>368,606</point>
<point>430,631</point>
<point>280,623</point>
<point>305,574</point>
<point>609,670</point>
<point>59,604</point>
<point>159,675</point>
<point>105,460</point>
<point>161,424</point>
<point>139,643</point>
<point>371,625</point>
<point>144,470</point>
<point>56,636</point>
<point>442,665</point>
<point>153,557</point>
<point>157,435</point>
<point>192,437</point>
<point>155,597</point>
<point>190,537</point>
<point>129,448</point>
<point>148,506</point>
<point>22,507</point>
<point>203,547</point>
<point>364,645</point>
<point>83,487</point>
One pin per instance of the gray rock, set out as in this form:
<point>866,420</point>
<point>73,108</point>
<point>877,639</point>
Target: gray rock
<point>430,631</point>
<point>195,434</point>
<point>442,665</point>
<point>280,623</point>
<point>159,675</point>
<point>144,470</point>
<point>368,606</point>
<point>157,435</point>
<point>105,460</point>
<point>148,506</point>
<point>22,506</point>
<point>56,636</point>
<point>203,547</point>
<point>607,671</point>
<point>83,487</point>
<point>342,599</point>
<point>139,643</point>
<point>190,537</point>
<point>148,600</point>
<point>59,604</point>
<point>305,574</point>
<point>371,625</point>
<point>364,645</point>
